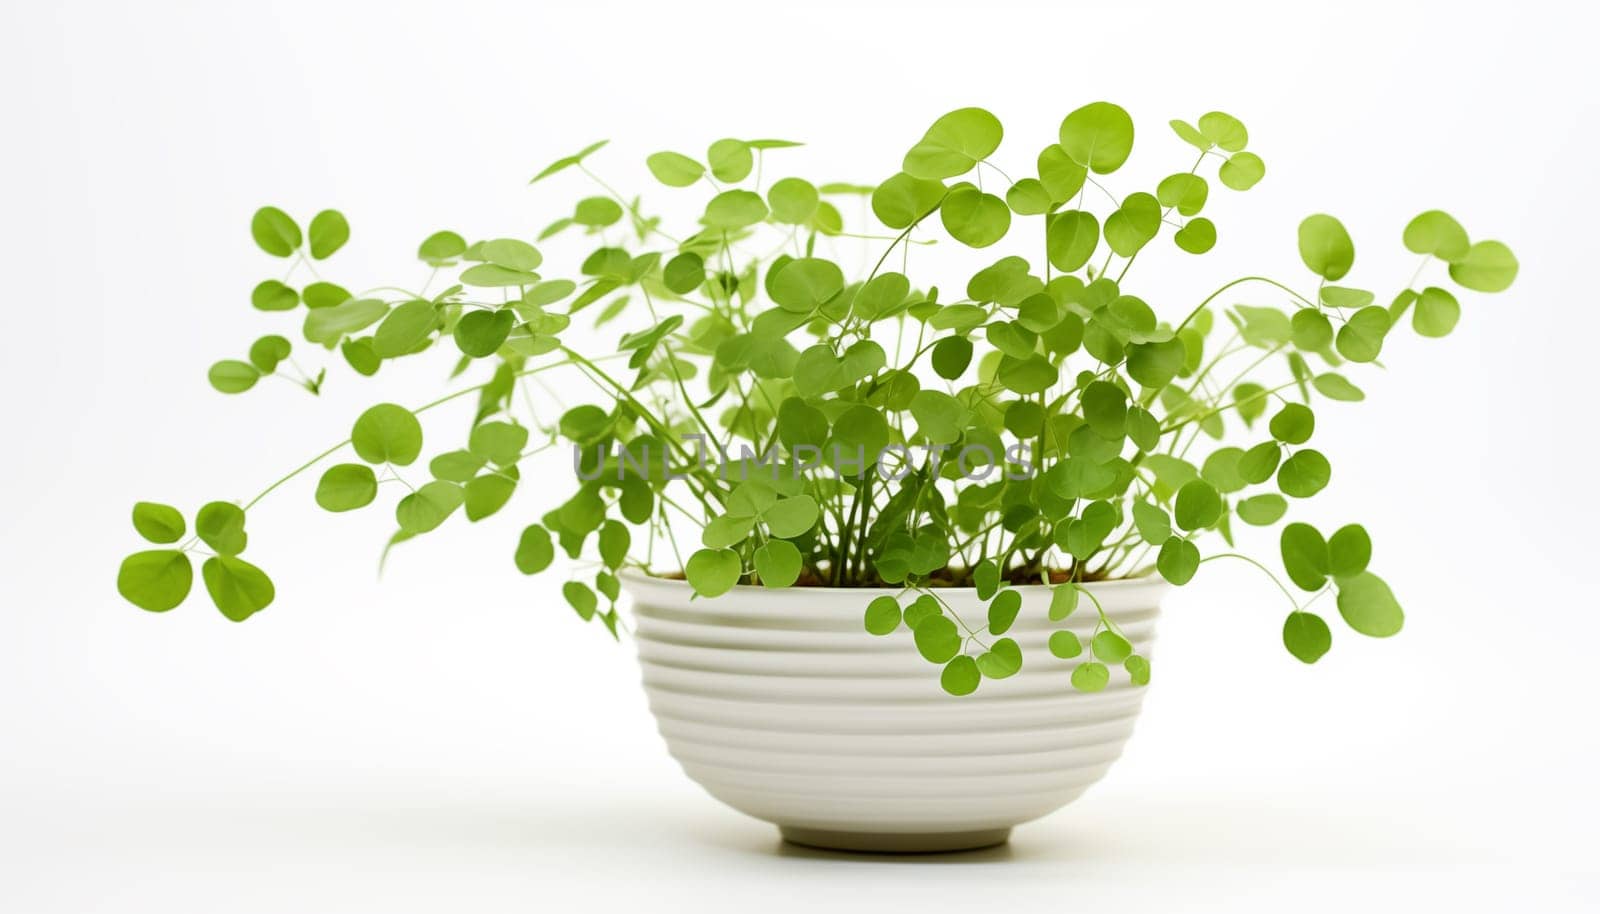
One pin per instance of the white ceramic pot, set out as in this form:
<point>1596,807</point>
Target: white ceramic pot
<point>781,705</point>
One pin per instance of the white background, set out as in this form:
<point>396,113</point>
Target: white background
<point>452,738</point>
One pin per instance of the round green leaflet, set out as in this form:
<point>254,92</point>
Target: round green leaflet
<point>597,212</point>
<point>1090,676</point>
<point>805,284</point>
<point>1437,312</point>
<point>268,351</point>
<point>535,551</point>
<point>581,599</point>
<point>1225,130</point>
<point>791,517</point>
<point>937,639</point>
<point>1349,551</point>
<point>730,160</point>
<point>1065,644</point>
<point>1325,247</point>
<point>1361,337</point>
<point>801,424</point>
<point>220,525</point>
<point>1293,424</point>
<point>1368,606</point>
<point>274,232</point>
<point>1111,647</point>
<point>614,542</point>
<point>778,563</point>
<point>1105,406</point>
<point>1242,171</point>
<point>954,144</point>
<point>1003,659</point>
<point>883,615</point>
<point>713,572</point>
<point>940,417</point>
<point>1197,236</point>
<point>156,580</point>
<point>882,296</point>
<point>1070,239</point>
<point>1438,234</point>
<point>960,676</point>
<point>429,506</point>
<point>1306,636</point>
<point>1003,610</point>
<point>387,433</point>
<point>793,200</point>
<point>903,199</point>
<point>158,523</point>
<point>347,486</point>
<point>238,588</point>
<point>231,376</point>
<point>405,329</point>
<point>1134,224</point>
<point>1178,560</point>
<point>735,209</point>
<point>1304,474</point>
<point>1305,556</point>
<point>1488,266</point>
<point>1063,600</point>
<point>1138,670</point>
<point>1028,197</point>
<point>1258,463</point>
<point>1310,330</point>
<point>674,169</point>
<point>1262,510</point>
<point>1189,134</point>
<point>1183,191</point>
<point>1198,505</point>
<point>328,232</point>
<point>951,356</point>
<point>1098,136</point>
<point>480,333</point>
<point>974,218</point>
<point>272,295</point>
<point>684,273</point>
<point>441,249</point>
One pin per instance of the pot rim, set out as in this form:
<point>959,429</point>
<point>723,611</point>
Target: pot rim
<point>635,575</point>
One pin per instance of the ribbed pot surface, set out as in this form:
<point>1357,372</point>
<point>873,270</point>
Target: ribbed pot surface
<point>780,704</point>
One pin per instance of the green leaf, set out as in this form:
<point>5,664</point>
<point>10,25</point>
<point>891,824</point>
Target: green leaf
<point>1154,365</point>
<point>1306,636</point>
<point>1003,659</point>
<point>1138,670</point>
<point>158,523</point>
<point>1098,136</point>
<point>1190,135</point>
<point>674,169</point>
<point>1258,464</point>
<point>326,295</point>
<point>1090,676</point>
<point>1293,424</point>
<point>1242,171</point>
<point>326,326</point>
<point>500,442</point>
<point>1065,644</point>
<point>484,495</point>
<point>1488,266</point>
<point>730,160</point>
<point>793,201</point>
<point>1063,600</point>
<point>1438,234</point>
<point>272,295</point>
<point>1197,236</point>
<point>581,599</point>
<point>791,517</point>
<point>883,615</point>
<point>596,212</point>
<point>566,162</point>
<point>238,588</point>
<point>1003,610</point>
<point>735,209</point>
<point>387,433</point>
<point>1361,338</point>
<point>406,328</point>
<point>328,232</point>
<point>713,572</point>
<point>937,639</point>
<point>347,486</point>
<point>1325,247</point>
<point>1437,312</point>
<point>1070,240</point>
<point>156,580</point>
<point>1349,551</point>
<point>1225,130</point>
<point>275,232</point>
<point>1336,387</point>
<point>1134,224</point>
<point>1198,506</point>
<point>1178,560</point>
<point>1105,406</point>
<point>359,354</point>
<point>805,284</point>
<point>1032,375</point>
<point>480,333</point>
<point>903,199</point>
<point>1221,469</point>
<point>429,506</point>
<point>1305,556</point>
<point>1028,197</point>
<point>940,417</point>
<point>778,563</point>
<point>268,351</point>
<point>1111,647</point>
<point>974,218</point>
<point>220,525</point>
<point>1304,474</point>
<point>614,542</point>
<point>535,551</point>
<point>960,676</point>
<point>441,249</point>
<point>951,356</point>
<point>1262,510</point>
<point>1310,330</point>
<point>725,531</point>
<point>954,144</point>
<point>231,376</point>
<point>1368,606</point>
<point>1061,177</point>
<point>1184,192</point>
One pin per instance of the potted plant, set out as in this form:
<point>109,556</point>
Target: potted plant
<point>885,541</point>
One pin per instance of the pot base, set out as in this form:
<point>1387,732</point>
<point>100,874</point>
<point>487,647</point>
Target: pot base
<point>893,842</point>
